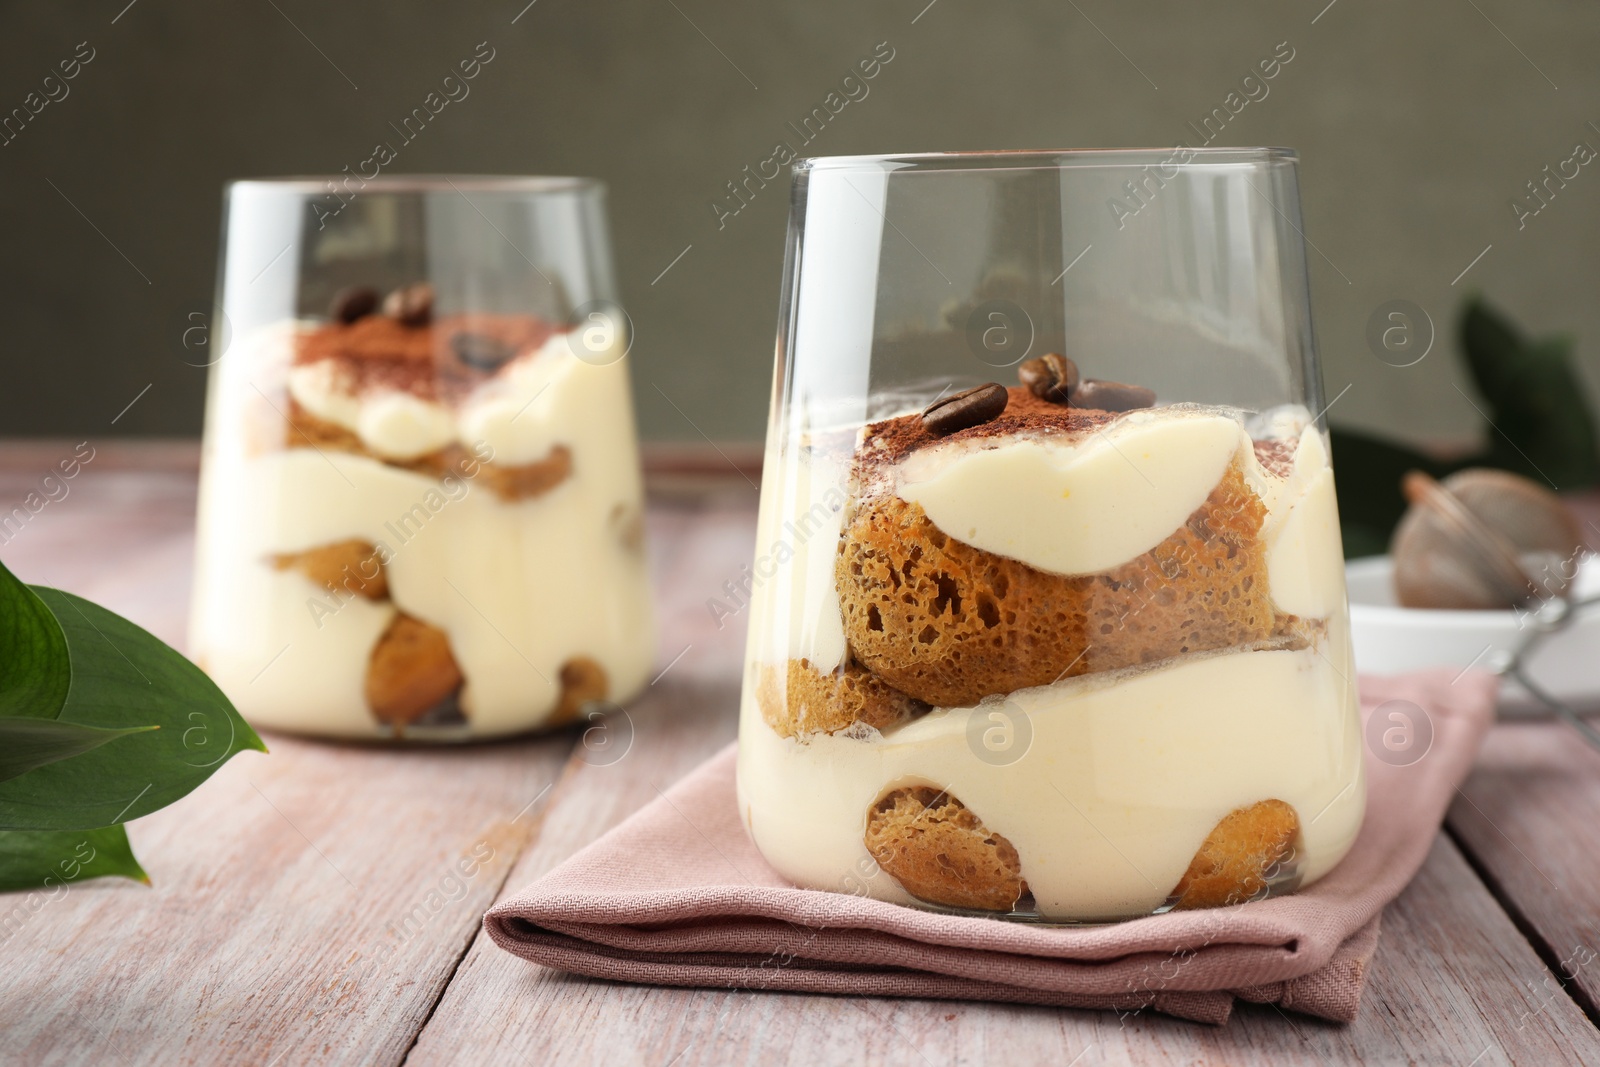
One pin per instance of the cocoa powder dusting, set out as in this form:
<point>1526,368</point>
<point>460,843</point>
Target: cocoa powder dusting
<point>1276,457</point>
<point>892,440</point>
<point>379,352</point>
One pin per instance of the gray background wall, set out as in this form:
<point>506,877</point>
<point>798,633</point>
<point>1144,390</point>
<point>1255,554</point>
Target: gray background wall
<point>1417,123</point>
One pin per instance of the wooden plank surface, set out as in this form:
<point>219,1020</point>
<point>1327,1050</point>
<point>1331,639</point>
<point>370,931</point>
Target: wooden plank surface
<point>308,906</point>
<point>1530,817</point>
<point>121,532</point>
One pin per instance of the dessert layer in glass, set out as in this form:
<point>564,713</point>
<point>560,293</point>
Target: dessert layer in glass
<point>1066,664</point>
<point>431,529</point>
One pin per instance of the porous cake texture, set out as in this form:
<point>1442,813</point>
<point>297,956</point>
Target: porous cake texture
<point>939,851</point>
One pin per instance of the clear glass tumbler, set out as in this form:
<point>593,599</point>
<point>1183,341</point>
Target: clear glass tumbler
<point>421,505</point>
<point>1049,619</point>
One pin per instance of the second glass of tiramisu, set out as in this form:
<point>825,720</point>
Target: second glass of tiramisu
<point>421,508</point>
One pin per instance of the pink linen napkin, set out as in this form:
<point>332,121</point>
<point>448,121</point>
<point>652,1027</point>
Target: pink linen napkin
<point>678,895</point>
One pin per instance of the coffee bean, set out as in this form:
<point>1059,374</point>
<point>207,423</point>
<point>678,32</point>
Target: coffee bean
<point>1051,377</point>
<point>352,303</point>
<point>1111,396</point>
<point>411,304</point>
<point>970,407</point>
<point>480,351</point>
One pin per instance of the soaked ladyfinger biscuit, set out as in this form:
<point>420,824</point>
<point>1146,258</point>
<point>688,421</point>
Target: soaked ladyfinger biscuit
<point>353,566</point>
<point>797,699</point>
<point>950,624</point>
<point>527,480</point>
<point>411,670</point>
<point>583,681</point>
<point>1237,857</point>
<point>940,851</point>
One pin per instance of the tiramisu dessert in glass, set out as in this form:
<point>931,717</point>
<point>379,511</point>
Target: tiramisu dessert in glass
<point>1049,618</point>
<point>421,507</point>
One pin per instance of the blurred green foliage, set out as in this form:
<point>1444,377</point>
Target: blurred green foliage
<point>1540,427</point>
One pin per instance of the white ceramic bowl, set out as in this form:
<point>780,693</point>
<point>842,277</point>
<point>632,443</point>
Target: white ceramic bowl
<point>1390,639</point>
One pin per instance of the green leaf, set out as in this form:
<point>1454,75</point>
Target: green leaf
<point>122,675</point>
<point>1540,422</point>
<point>45,860</point>
<point>34,675</point>
<point>29,743</point>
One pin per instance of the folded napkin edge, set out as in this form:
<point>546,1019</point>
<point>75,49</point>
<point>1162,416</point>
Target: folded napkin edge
<point>706,907</point>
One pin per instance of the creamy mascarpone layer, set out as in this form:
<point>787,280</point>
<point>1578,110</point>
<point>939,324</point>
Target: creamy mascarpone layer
<point>1075,506</point>
<point>795,611</point>
<point>1305,554</point>
<point>1088,505</point>
<point>1123,780</point>
<point>519,587</point>
<point>512,411</point>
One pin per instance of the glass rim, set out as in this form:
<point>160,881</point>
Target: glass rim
<point>1056,159</point>
<point>421,183</point>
